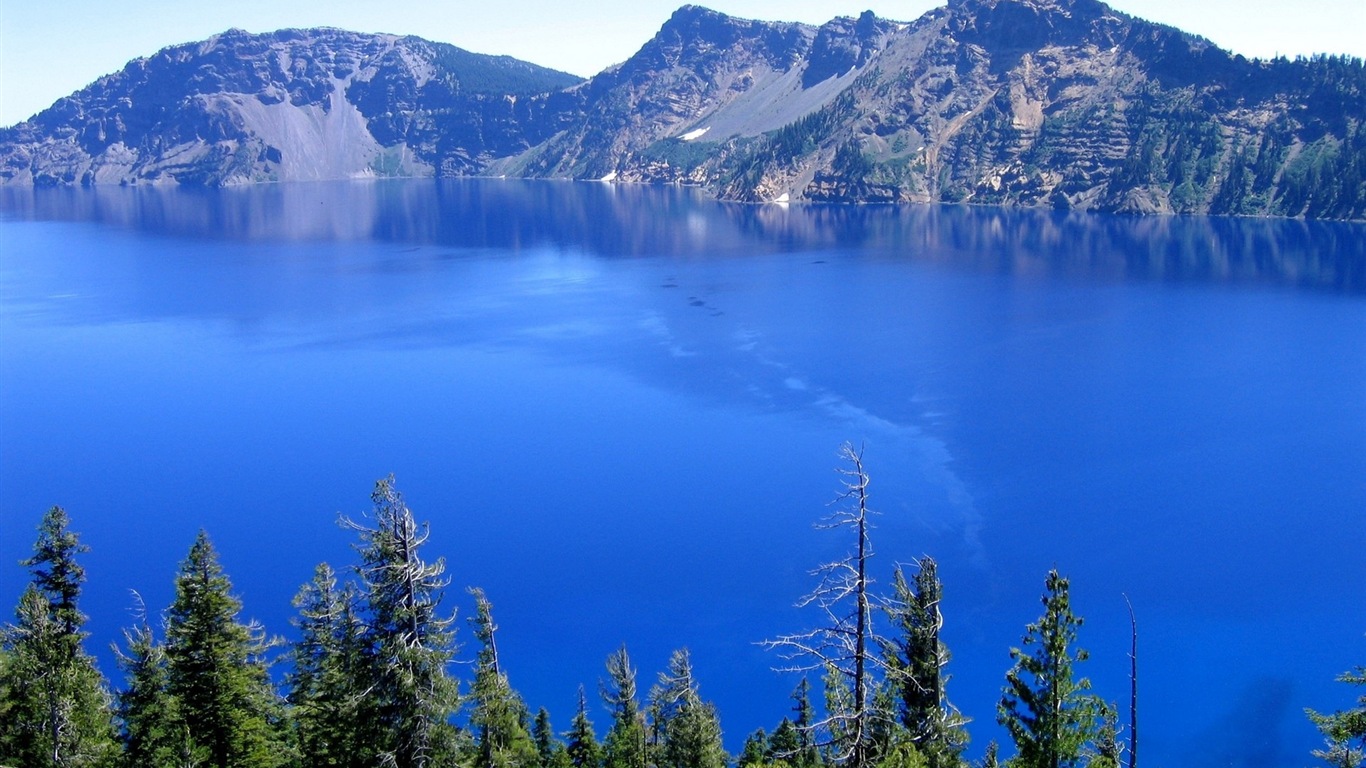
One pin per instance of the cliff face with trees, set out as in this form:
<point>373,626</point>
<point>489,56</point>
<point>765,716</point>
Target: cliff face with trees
<point>1042,103</point>
<point>369,678</point>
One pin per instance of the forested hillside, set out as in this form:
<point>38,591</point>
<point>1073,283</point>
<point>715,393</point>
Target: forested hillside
<point>372,675</point>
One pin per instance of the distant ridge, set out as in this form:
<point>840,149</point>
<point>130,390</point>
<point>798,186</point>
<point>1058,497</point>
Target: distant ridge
<point>1066,104</point>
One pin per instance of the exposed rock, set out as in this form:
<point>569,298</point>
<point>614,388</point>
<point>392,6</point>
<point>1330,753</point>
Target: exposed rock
<point>1048,103</point>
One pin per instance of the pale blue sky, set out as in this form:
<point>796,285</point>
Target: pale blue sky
<point>50,48</point>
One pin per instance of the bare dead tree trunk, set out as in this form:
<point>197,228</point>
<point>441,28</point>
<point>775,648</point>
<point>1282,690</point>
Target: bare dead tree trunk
<point>844,645</point>
<point>1133,687</point>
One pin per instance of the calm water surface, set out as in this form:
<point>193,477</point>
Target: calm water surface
<point>620,409</point>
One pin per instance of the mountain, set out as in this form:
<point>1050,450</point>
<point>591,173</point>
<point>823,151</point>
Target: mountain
<point>287,106</point>
<point>1045,103</point>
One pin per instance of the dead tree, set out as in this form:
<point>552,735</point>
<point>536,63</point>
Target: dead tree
<point>844,647</point>
<point>1133,686</point>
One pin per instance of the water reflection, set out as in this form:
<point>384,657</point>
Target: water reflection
<point>629,220</point>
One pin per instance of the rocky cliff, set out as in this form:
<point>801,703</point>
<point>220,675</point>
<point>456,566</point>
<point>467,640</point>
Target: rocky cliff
<point>291,105</point>
<point>1057,103</point>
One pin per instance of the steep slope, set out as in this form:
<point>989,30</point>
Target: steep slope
<point>1062,103</point>
<point>291,105</point>
<point>1045,103</point>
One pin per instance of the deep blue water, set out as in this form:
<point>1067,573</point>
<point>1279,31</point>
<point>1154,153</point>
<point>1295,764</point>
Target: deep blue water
<point>620,409</point>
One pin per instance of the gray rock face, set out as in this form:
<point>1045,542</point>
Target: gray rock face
<point>292,105</point>
<point>1057,103</point>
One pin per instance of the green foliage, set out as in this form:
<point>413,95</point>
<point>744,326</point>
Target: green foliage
<point>408,644</point>
<point>688,729</point>
<point>55,709</point>
<point>327,683</point>
<point>624,746</point>
<point>582,747</point>
<point>1048,713</point>
<point>686,156</point>
<point>155,734</point>
<point>551,750</point>
<point>216,668</point>
<point>915,659</point>
<point>1345,731</point>
<point>497,714</point>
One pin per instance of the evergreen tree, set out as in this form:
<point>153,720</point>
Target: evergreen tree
<point>155,734</point>
<point>755,752</point>
<point>496,714</point>
<point>326,683</point>
<point>550,749</point>
<point>625,743</point>
<point>409,645</point>
<point>915,662</point>
<point>216,668</point>
<point>689,729</point>
<point>1046,710</point>
<point>583,748</point>
<point>1345,731</point>
<point>56,709</point>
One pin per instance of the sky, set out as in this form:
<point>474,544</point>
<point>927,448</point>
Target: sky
<point>51,48</point>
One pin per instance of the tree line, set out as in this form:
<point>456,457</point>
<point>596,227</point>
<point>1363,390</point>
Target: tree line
<point>367,680</point>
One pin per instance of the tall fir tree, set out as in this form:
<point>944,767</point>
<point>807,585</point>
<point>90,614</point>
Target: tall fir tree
<point>327,684</point>
<point>688,727</point>
<point>217,670</point>
<point>154,731</point>
<point>56,709</point>
<point>1046,709</point>
<point>497,713</point>
<point>409,643</point>
<point>915,659</point>
<point>549,748</point>
<point>625,745</point>
<point>582,741</point>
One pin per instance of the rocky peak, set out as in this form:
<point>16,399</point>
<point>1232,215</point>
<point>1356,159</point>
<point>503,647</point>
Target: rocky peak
<point>845,44</point>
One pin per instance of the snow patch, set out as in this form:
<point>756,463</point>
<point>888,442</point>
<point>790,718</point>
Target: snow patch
<point>697,134</point>
<point>609,177</point>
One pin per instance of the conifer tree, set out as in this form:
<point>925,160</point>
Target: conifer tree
<point>915,661</point>
<point>689,729</point>
<point>216,668</point>
<point>56,709</point>
<point>755,752</point>
<point>409,644</point>
<point>1345,731</point>
<point>327,686</point>
<point>1047,711</point>
<point>496,715</point>
<point>583,748</point>
<point>550,749</point>
<point>155,734</point>
<point>625,744</point>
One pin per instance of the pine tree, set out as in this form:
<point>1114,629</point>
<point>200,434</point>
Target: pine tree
<point>625,744</point>
<point>550,749</point>
<point>409,644</point>
<point>755,752</point>
<point>326,683</point>
<point>1345,731</point>
<point>582,747</point>
<point>915,662</point>
<point>689,729</point>
<point>155,734</point>
<point>56,709</point>
<point>1047,711</point>
<point>216,668</point>
<point>496,715</point>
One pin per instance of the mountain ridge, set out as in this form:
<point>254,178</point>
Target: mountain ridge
<point>1040,103</point>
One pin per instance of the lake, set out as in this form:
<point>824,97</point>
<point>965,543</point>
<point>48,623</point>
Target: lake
<point>620,408</point>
